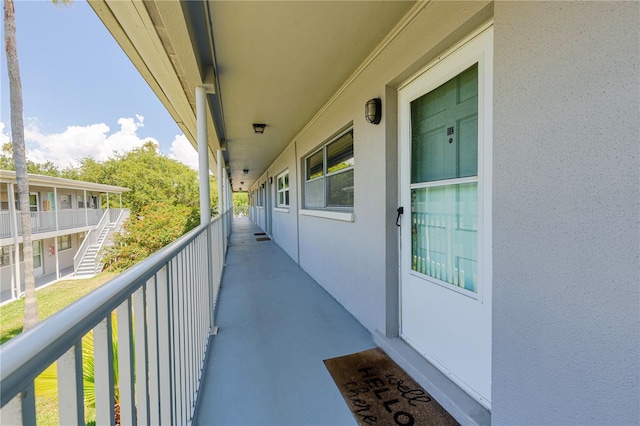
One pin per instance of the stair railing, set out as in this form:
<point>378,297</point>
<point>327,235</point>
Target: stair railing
<point>89,240</point>
<point>117,221</point>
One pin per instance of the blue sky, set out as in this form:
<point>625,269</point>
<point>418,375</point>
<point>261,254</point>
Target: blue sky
<point>82,96</point>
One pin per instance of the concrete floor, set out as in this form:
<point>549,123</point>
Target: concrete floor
<point>277,325</point>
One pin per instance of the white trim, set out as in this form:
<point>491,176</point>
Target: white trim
<point>444,182</point>
<point>283,190</point>
<point>328,214</point>
<point>281,210</point>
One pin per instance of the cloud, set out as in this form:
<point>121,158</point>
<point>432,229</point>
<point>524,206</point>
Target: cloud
<point>4,138</point>
<point>64,149</point>
<point>182,151</point>
<point>95,141</point>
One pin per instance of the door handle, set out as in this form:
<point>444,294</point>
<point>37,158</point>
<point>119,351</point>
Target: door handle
<point>400,211</point>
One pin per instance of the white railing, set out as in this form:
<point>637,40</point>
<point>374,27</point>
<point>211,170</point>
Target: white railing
<point>90,239</point>
<point>68,219</point>
<point>117,218</point>
<point>46,221</point>
<point>164,309</point>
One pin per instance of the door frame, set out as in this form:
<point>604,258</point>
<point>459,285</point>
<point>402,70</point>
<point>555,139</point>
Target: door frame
<point>478,44</point>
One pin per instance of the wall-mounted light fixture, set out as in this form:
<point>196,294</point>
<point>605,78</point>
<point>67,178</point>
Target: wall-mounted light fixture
<point>271,179</point>
<point>245,171</point>
<point>373,110</point>
<point>258,128</point>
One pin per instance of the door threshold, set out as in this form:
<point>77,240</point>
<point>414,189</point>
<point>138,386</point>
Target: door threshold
<point>457,402</point>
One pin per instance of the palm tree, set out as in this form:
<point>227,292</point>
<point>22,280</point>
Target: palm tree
<point>20,160</point>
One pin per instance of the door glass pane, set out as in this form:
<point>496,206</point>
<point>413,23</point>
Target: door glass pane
<point>444,230</point>
<point>33,202</point>
<point>37,258</point>
<point>444,130</point>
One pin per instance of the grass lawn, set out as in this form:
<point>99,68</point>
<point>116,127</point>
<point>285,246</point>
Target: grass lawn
<point>50,300</point>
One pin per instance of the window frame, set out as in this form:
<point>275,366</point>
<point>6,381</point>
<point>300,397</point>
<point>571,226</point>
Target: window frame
<point>60,243</point>
<point>4,253</point>
<point>284,190</point>
<point>66,202</point>
<point>326,174</point>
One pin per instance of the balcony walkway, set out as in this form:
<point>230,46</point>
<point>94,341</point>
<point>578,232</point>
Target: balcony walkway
<point>277,325</point>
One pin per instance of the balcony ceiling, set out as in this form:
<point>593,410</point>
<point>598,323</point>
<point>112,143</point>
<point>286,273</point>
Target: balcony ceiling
<point>268,62</point>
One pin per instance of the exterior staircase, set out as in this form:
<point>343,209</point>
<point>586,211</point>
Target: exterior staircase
<point>89,262</point>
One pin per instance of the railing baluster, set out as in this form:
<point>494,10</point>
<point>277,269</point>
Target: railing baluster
<point>154,350</point>
<point>177,277</point>
<point>125,364</point>
<point>103,372</point>
<point>164,346</point>
<point>141,360</point>
<point>29,405</point>
<point>193,337</point>
<point>70,386</point>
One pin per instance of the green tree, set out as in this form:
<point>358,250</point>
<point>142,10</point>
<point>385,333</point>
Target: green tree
<point>155,226</point>
<point>152,178</point>
<point>7,163</point>
<point>240,204</point>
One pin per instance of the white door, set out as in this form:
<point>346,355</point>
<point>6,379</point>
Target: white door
<point>445,162</point>
<point>37,258</point>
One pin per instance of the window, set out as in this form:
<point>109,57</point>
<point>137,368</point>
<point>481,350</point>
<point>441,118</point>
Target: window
<point>65,201</point>
<point>64,242</point>
<point>329,174</point>
<point>283,189</point>
<point>5,252</point>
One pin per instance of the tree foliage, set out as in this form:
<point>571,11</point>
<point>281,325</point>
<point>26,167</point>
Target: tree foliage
<point>155,226</point>
<point>152,178</point>
<point>7,163</point>
<point>241,204</point>
<point>164,198</point>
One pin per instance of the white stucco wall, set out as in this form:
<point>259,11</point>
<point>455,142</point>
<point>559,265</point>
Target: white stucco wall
<point>284,228</point>
<point>566,316</point>
<point>357,261</point>
<point>566,235</point>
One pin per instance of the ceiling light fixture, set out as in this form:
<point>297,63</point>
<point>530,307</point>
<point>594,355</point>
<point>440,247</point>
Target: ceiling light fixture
<point>245,171</point>
<point>258,128</point>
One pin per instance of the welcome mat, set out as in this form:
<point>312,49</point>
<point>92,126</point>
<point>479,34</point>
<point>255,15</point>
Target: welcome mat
<point>263,239</point>
<point>379,392</point>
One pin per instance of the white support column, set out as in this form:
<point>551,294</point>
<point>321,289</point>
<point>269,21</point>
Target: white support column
<point>55,206</point>
<point>203,154</point>
<point>221,200</point>
<point>55,251</point>
<point>86,214</point>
